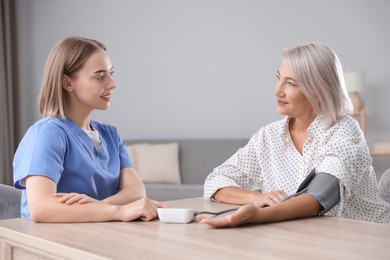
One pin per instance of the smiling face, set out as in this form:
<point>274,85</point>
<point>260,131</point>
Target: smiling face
<point>91,87</point>
<point>290,99</point>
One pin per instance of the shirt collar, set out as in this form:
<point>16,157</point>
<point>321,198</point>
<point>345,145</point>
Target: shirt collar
<point>75,128</point>
<point>285,134</point>
<point>316,124</point>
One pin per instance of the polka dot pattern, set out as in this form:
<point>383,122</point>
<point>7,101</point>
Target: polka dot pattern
<point>270,161</point>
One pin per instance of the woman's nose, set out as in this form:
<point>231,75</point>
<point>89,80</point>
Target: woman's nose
<point>112,84</point>
<point>279,89</point>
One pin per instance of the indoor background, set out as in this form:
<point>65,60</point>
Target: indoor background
<point>206,68</point>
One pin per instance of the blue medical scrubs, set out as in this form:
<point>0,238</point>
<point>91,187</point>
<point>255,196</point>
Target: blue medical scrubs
<point>60,150</point>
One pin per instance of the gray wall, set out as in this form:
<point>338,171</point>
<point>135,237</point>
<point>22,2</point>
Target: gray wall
<point>206,68</point>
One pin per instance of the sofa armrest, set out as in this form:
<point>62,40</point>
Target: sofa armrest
<point>9,202</point>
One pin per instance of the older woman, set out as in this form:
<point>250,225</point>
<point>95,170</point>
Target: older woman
<point>317,136</point>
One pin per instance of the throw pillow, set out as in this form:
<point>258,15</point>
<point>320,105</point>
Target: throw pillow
<point>157,163</point>
<point>131,149</point>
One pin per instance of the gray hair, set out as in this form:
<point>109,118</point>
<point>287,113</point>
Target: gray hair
<point>320,77</point>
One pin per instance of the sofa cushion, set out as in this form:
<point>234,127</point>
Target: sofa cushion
<point>156,163</point>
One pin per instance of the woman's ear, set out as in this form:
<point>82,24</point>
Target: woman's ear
<point>67,83</point>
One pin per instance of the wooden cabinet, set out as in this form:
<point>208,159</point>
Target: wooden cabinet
<point>380,149</point>
<point>361,117</point>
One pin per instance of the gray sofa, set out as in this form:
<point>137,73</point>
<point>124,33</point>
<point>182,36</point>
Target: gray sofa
<point>9,202</point>
<point>197,158</point>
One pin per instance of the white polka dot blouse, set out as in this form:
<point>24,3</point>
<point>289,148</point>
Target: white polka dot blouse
<point>270,161</point>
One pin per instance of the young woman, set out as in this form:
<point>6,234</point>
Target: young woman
<point>71,168</point>
<point>317,136</point>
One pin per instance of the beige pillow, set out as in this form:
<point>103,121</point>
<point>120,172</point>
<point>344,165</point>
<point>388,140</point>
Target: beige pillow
<point>156,162</point>
<point>131,151</point>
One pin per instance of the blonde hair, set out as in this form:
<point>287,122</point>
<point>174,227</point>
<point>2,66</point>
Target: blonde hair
<point>66,58</point>
<point>320,77</point>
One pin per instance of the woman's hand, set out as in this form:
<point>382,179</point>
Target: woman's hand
<point>144,209</point>
<point>268,199</point>
<point>244,215</point>
<point>70,198</point>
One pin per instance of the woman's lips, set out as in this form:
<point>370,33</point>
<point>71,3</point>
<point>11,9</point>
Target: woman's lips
<point>106,97</point>
<point>281,103</point>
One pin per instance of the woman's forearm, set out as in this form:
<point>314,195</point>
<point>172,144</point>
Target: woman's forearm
<point>127,195</point>
<point>51,210</point>
<point>236,195</point>
<point>44,207</point>
<point>131,188</point>
<point>298,207</point>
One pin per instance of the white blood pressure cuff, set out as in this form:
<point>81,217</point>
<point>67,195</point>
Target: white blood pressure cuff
<point>322,186</point>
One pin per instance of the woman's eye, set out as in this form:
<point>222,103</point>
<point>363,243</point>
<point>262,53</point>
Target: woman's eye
<point>290,83</point>
<point>111,73</point>
<point>101,77</point>
<point>277,77</point>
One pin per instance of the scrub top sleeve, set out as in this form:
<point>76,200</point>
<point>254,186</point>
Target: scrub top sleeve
<point>125,160</point>
<point>41,152</point>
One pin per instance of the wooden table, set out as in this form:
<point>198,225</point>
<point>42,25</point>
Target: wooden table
<point>312,238</point>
